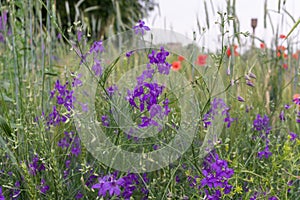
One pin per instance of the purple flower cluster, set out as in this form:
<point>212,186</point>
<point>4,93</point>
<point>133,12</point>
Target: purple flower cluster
<point>36,165</point>
<point>105,120</point>
<point>266,152</point>
<point>112,186</point>
<point>43,187</point>
<point>217,105</point>
<point>159,59</point>
<point>145,95</point>
<point>140,28</point>
<point>261,124</point>
<point>96,49</point>
<point>216,175</point>
<point>70,140</point>
<point>64,98</point>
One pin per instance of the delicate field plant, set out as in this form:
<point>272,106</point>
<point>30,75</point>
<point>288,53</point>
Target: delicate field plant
<point>133,117</point>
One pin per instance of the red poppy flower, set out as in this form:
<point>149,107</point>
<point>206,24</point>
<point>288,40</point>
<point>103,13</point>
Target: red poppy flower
<point>262,45</point>
<point>201,60</point>
<point>278,54</point>
<point>285,66</point>
<point>228,52</point>
<point>282,36</point>
<point>180,58</point>
<point>295,56</point>
<point>280,50</point>
<point>176,65</point>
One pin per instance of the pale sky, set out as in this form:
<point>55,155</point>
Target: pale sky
<point>181,16</point>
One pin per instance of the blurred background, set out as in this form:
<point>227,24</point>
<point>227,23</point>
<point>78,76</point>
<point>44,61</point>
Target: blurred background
<point>196,19</point>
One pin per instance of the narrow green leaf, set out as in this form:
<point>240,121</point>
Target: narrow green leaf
<point>293,28</point>
<point>50,73</point>
<point>5,127</point>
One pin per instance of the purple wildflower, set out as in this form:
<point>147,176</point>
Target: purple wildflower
<point>65,98</point>
<point>76,146</point>
<point>16,191</point>
<point>68,163</point>
<point>83,58</point>
<point>105,121</point>
<point>262,124</point>
<point>97,47</point>
<point>273,198</point>
<point>79,35</point>
<point>216,175</point>
<point>141,28</point>
<point>156,110</point>
<point>166,107</point>
<point>159,59</point>
<point>36,165</point>
<point>241,99</point>
<point>109,184</point>
<point>76,81</point>
<point>265,153</point>
<point>287,106</point>
<point>252,75</point>
<point>249,83</point>
<point>1,194</point>
<point>3,25</point>
<point>146,74</point>
<point>293,136</point>
<point>90,179</point>
<point>247,77</point>
<point>254,196</point>
<point>97,68</point>
<point>129,53</point>
<point>43,187</point>
<point>111,90</point>
<point>79,195</point>
<point>218,107</point>
<point>84,106</point>
<point>70,139</point>
<point>281,116</point>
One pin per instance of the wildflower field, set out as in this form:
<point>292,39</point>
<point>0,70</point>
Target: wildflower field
<point>133,116</point>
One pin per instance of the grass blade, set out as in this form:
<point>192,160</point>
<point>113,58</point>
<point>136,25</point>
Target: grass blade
<point>293,28</point>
